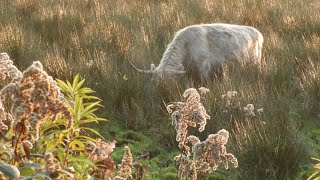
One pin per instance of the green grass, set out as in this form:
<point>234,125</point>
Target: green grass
<point>66,35</point>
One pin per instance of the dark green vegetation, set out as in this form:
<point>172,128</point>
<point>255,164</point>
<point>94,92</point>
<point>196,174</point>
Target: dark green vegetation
<point>277,144</point>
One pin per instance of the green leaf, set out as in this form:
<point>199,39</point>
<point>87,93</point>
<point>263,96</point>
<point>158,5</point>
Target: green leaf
<point>75,81</point>
<point>86,90</point>
<point>93,131</point>
<point>10,171</point>
<point>49,125</point>
<point>69,87</point>
<point>36,177</point>
<point>94,119</point>
<point>90,116</point>
<point>316,159</point>
<point>51,134</point>
<point>7,154</point>
<point>92,105</point>
<point>66,172</point>
<point>90,97</point>
<point>76,144</point>
<point>85,137</point>
<point>313,175</point>
<point>63,86</point>
<point>77,105</point>
<point>81,159</point>
<point>78,86</point>
<point>53,150</point>
<point>88,103</point>
<point>60,155</point>
<point>27,171</point>
<point>90,112</point>
<point>32,165</point>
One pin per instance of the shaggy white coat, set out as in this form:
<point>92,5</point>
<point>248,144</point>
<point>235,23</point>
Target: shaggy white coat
<point>206,47</point>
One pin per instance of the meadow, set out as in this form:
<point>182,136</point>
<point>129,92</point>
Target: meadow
<point>97,38</point>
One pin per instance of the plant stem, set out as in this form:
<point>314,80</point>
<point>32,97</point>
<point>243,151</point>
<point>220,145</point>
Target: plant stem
<point>67,150</point>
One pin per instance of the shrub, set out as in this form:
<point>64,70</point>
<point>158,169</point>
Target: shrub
<point>48,128</point>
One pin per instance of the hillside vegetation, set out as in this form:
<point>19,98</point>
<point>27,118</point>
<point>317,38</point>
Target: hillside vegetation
<point>97,38</point>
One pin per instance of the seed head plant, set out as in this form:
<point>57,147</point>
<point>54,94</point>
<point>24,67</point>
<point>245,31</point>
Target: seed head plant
<point>228,98</point>
<point>101,156</point>
<point>249,110</point>
<point>232,105</point>
<point>52,164</point>
<point>102,149</point>
<point>34,98</point>
<point>126,165</point>
<point>4,116</point>
<point>205,156</point>
<point>8,71</point>
<point>97,38</point>
<point>47,125</point>
<point>187,114</point>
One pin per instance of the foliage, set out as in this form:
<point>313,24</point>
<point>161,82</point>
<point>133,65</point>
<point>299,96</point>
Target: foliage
<point>72,144</point>
<point>60,144</point>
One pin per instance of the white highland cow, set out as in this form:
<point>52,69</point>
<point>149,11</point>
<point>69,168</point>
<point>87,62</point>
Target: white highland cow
<point>205,48</point>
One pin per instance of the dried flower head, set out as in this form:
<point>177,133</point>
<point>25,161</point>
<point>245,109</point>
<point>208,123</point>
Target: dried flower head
<point>203,91</point>
<point>8,71</point>
<point>90,63</point>
<point>206,155</point>
<point>212,151</point>
<point>101,156</point>
<point>228,98</point>
<point>260,110</point>
<point>36,97</point>
<point>52,165</point>
<point>249,110</point>
<point>189,113</point>
<point>126,165</point>
<point>186,167</point>
<point>4,116</point>
<point>193,139</point>
<point>230,94</point>
<point>102,149</point>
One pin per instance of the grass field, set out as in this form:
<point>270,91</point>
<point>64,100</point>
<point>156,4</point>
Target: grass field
<point>96,38</point>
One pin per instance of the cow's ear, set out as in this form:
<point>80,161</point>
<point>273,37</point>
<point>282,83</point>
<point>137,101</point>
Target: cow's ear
<point>153,67</point>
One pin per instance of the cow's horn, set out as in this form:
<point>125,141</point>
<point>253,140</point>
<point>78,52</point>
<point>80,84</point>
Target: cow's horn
<point>142,71</point>
<point>175,71</point>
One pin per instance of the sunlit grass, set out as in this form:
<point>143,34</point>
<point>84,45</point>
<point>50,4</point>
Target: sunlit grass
<point>97,38</point>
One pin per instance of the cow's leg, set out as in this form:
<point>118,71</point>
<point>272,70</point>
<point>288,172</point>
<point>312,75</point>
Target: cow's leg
<point>218,71</point>
<point>210,72</point>
<point>205,71</point>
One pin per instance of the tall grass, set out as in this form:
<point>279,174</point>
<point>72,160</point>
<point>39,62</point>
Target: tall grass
<point>96,38</point>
